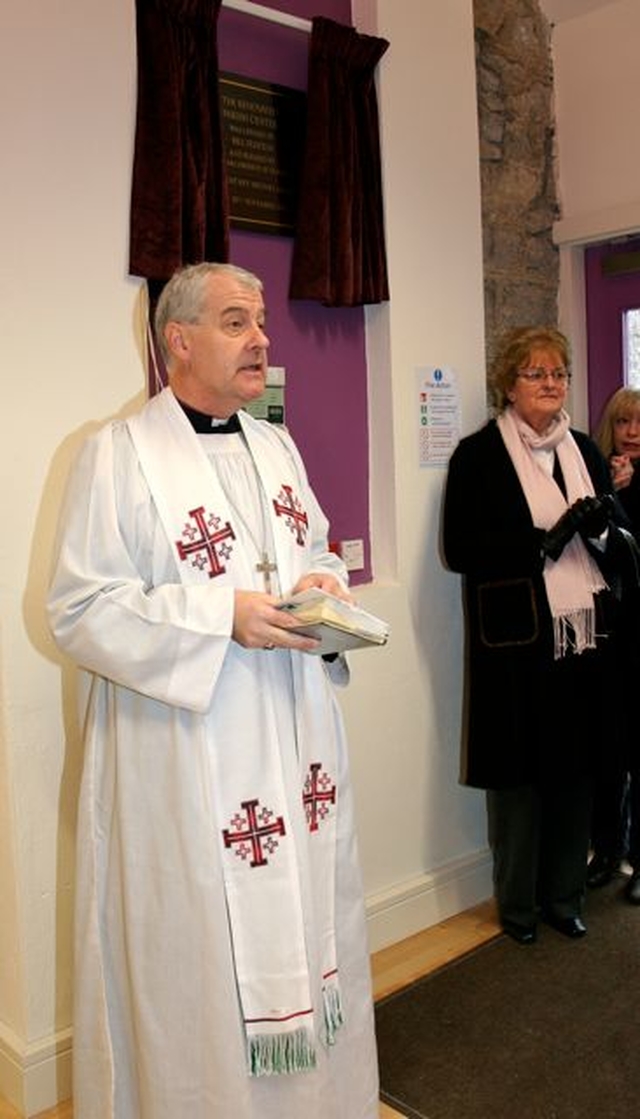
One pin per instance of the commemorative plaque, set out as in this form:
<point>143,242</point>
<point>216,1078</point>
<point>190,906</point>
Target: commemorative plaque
<point>263,135</point>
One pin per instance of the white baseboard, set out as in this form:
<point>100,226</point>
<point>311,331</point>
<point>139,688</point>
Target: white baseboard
<point>36,1076</point>
<point>412,906</point>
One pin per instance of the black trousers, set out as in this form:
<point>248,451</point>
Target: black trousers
<point>615,827</point>
<point>539,836</point>
<point>615,831</point>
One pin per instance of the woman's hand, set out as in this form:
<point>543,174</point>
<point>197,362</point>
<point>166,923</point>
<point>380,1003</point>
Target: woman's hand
<point>621,471</point>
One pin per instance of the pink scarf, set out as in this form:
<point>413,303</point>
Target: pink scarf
<point>574,578</point>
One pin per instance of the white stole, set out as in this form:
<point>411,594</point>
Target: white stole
<point>248,787</point>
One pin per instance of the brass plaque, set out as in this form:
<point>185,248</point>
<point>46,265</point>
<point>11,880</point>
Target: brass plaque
<point>263,134</point>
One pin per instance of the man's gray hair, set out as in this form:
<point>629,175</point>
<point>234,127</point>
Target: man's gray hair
<point>183,297</point>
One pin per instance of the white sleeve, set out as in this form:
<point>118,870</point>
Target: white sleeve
<point>112,608</point>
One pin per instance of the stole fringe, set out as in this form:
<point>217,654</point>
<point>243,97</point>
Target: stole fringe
<point>333,1018</point>
<point>274,1054</point>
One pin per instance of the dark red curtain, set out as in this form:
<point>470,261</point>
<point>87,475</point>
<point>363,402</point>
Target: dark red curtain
<point>339,256</point>
<point>179,203</point>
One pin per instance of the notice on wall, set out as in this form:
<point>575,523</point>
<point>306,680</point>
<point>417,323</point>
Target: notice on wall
<point>263,133</point>
<point>438,406</point>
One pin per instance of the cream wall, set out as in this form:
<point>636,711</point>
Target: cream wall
<point>72,359</point>
<point>422,836</point>
<point>597,92</point>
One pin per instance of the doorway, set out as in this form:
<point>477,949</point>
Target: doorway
<point>612,294</point>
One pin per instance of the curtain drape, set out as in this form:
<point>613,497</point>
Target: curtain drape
<point>179,202</point>
<point>339,256</point>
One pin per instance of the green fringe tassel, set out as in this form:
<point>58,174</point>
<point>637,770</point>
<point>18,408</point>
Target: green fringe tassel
<point>274,1054</point>
<point>332,1013</point>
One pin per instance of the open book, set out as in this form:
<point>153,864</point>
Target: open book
<point>338,624</point>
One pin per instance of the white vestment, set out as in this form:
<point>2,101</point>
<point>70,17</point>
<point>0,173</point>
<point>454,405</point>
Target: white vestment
<point>158,1028</point>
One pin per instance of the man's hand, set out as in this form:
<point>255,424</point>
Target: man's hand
<point>257,624</point>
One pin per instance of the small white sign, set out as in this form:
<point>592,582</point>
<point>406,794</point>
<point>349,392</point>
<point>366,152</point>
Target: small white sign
<point>438,414</point>
<point>270,406</point>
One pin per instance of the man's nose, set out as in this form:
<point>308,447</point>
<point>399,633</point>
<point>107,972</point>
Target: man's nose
<point>260,337</point>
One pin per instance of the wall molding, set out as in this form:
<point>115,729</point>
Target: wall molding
<point>35,1076</point>
<point>411,906</point>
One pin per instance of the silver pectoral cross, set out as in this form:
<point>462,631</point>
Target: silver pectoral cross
<point>266,567</point>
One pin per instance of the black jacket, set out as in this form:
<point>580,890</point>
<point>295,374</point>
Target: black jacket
<point>527,717</point>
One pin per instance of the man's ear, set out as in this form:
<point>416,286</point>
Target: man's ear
<point>176,341</point>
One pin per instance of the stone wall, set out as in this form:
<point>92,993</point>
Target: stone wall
<point>519,200</point>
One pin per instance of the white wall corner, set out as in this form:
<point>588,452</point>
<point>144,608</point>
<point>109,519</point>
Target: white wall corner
<point>36,1076</point>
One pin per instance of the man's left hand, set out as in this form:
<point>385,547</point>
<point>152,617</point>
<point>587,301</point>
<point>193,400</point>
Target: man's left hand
<point>324,581</point>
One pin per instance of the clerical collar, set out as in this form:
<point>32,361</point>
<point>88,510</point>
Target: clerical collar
<point>209,425</point>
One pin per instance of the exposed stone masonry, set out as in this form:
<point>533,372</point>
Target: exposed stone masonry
<point>519,200</point>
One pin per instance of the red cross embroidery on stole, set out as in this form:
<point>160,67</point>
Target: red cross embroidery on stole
<point>253,833</point>
<point>317,796</point>
<point>287,505</point>
<point>206,542</point>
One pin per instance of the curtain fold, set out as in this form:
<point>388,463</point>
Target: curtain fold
<point>179,200</point>
<point>339,256</point>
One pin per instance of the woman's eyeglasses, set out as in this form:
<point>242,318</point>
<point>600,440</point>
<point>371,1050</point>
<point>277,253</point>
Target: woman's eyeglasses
<point>560,376</point>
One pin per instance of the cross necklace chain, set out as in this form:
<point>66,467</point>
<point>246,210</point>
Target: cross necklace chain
<point>265,566</point>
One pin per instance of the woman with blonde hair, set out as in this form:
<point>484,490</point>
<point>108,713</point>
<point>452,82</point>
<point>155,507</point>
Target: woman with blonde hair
<point>616,812</point>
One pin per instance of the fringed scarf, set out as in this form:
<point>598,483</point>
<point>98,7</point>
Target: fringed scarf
<point>574,578</point>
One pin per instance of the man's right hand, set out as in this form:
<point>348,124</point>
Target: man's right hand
<point>258,624</point>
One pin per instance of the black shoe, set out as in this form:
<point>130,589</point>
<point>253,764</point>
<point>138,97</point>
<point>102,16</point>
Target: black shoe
<point>523,934</point>
<point>601,870</point>
<point>632,888</point>
<point>573,927</point>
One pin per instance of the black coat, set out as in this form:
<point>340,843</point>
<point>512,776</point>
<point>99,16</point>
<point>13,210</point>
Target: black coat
<point>527,716</point>
<point>629,498</point>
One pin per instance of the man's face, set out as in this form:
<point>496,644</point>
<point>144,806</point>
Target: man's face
<point>221,361</point>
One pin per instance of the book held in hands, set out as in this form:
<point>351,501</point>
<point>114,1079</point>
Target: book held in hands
<point>339,625</point>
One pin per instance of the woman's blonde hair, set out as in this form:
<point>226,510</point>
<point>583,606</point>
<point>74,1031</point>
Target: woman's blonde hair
<point>621,403</point>
<point>513,354</point>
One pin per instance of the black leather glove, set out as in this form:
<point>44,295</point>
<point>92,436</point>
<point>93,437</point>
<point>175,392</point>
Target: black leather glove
<point>594,515</point>
<point>558,536</point>
<point>588,515</point>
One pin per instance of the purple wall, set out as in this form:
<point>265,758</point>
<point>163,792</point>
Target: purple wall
<point>323,349</point>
